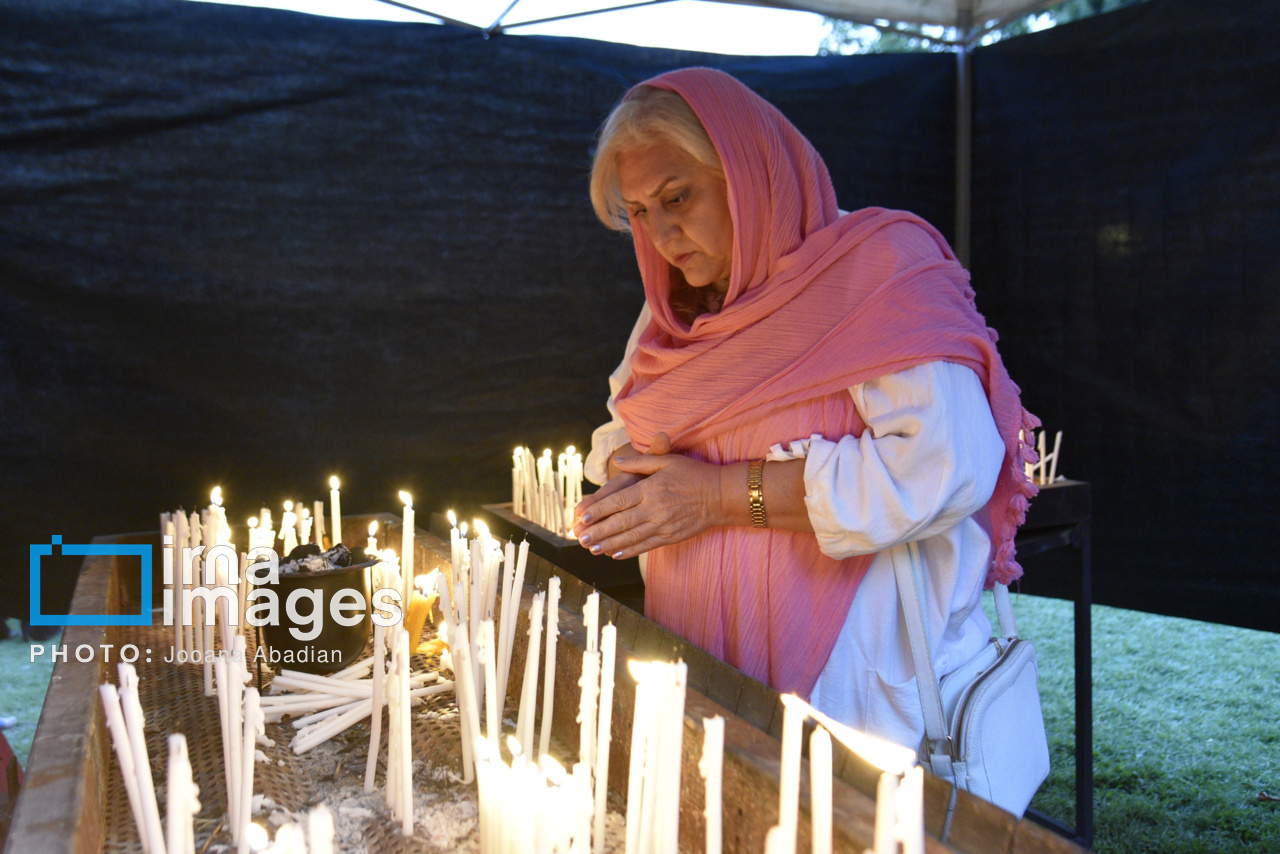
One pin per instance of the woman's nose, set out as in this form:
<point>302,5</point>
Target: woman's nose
<point>665,226</point>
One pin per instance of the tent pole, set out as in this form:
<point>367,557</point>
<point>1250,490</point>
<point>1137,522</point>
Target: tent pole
<point>964,151</point>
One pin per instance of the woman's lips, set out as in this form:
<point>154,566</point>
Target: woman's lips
<point>681,260</point>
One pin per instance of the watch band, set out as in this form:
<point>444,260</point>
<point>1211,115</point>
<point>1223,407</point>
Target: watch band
<point>755,493</point>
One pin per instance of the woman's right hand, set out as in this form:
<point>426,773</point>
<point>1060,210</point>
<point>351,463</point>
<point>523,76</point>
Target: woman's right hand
<point>618,480</point>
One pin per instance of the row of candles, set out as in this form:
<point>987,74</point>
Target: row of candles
<point>544,493</point>
<point>480,656</point>
<point>1045,470</point>
<point>126,719</point>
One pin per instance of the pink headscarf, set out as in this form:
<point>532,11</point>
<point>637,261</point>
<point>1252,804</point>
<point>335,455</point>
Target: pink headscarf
<point>817,303</point>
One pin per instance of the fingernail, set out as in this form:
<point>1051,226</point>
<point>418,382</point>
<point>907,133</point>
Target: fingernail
<point>621,459</point>
<point>596,549</point>
<point>587,519</point>
<point>617,555</point>
<point>585,539</point>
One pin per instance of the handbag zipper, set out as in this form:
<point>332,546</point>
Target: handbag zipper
<point>958,727</point>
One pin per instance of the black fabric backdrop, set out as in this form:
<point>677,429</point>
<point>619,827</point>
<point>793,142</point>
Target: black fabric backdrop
<point>254,248</point>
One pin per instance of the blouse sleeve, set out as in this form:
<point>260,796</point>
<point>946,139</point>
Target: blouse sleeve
<point>610,436</point>
<point>928,459</point>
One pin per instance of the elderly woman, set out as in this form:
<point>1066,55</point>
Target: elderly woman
<point>803,391</point>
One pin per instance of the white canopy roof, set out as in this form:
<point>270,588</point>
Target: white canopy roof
<point>965,15</point>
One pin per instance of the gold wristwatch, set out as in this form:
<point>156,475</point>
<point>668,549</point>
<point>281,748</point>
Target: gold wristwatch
<point>755,493</point>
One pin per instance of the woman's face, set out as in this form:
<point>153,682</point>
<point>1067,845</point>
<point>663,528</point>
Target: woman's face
<point>683,207</point>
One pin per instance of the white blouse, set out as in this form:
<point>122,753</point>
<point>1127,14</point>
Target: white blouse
<point>927,461</point>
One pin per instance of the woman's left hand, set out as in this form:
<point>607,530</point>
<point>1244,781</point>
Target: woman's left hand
<point>677,498</point>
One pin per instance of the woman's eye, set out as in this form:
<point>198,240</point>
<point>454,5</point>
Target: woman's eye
<point>679,198</point>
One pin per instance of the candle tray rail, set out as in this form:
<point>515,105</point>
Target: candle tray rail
<point>74,800</point>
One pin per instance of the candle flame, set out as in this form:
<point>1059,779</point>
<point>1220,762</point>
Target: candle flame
<point>305,512</point>
<point>481,528</point>
<point>216,496</point>
<point>885,755</point>
<point>552,769</point>
<point>333,482</point>
<point>406,498</point>
<point>546,453</point>
<point>256,836</point>
<point>463,529</point>
<point>513,745</point>
<point>288,507</point>
<point>453,520</point>
<point>253,521</point>
<point>373,527</point>
<point>519,452</point>
<point>570,451</point>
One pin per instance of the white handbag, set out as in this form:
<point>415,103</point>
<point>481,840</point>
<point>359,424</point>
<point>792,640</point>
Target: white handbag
<point>984,729</point>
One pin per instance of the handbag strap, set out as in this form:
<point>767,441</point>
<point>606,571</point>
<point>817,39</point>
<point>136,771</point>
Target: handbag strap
<point>904,558</point>
<point>906,568</point>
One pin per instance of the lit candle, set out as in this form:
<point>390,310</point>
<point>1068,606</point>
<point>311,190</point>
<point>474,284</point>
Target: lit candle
<point>510,611</point>
<point>335,510</point>
<point>173,583</point>
<point>789,784</point>
<point>820,790</point>
<point>549,681</point>
<point>371,547</point>
<point>253,532</point>
<point>406,549</point>
<point>289,529</point>
<point>608,651</point>
<point>468,708</point>
<point>304,526</point>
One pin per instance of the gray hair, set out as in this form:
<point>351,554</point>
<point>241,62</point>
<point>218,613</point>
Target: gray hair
<point>646,115</point>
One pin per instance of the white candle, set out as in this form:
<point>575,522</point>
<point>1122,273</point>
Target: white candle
<point>468,708</point>
<point>529,687</point>
<point>304,526</point>
<point>406,550</point>
<point>135,725</point>
<point>589,688</point>
<point>371,545</point>
<point>488,661</point>
<point>317,514</point>
<point>406,743</point>
<point>886,837</point>
<point>509,613</point>
<point>320,829</point>
<point>173,579</point>
<point>911,811</point>
<point>183,800</point>
<point>789,784</point>
<point>1053,466</point>
<point>608,651</point>
<point>208,655</point>
<point>288,528</point>
<point>335,509</point>
<point>253,725</point>
<point>124,755</point>
<point>549,680</point>
<point>820,790</point>
<point>375,734</point>
<point>711,766</point>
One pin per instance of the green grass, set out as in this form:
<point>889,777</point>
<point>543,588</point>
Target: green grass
<point>24,683</point>
<point>1186,729</point>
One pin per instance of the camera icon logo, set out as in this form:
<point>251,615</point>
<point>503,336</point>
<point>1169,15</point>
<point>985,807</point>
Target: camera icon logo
<point>39,550</point>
